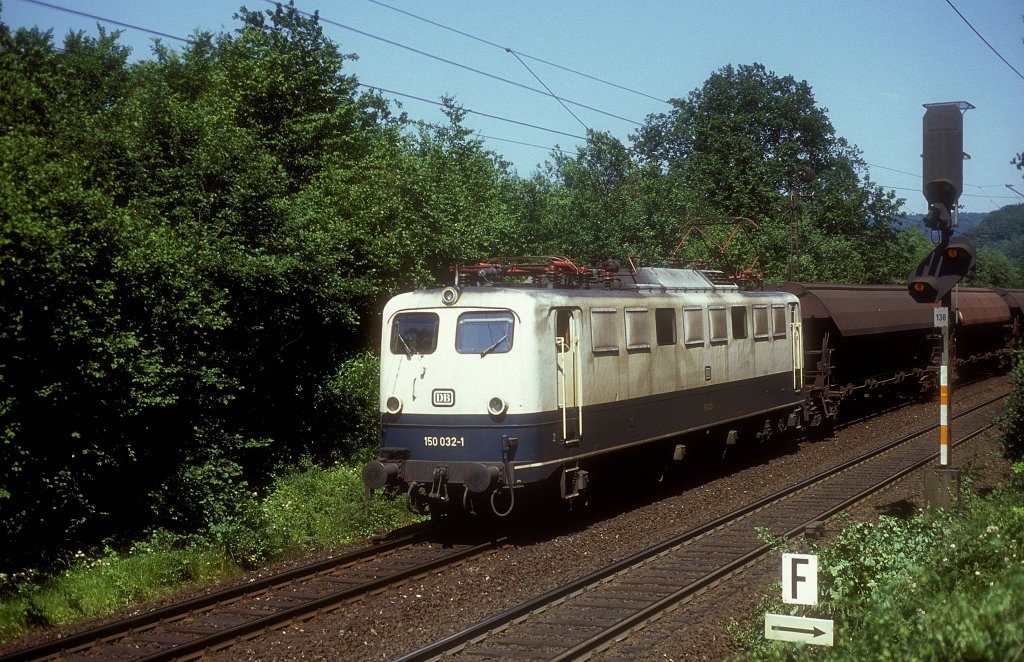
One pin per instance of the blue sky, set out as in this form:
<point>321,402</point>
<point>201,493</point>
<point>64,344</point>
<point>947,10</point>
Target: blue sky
<point>870,63</point>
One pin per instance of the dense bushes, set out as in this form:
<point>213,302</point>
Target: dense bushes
<point>177,319</point>
<point>309,508</point>
<point>1011,422</point>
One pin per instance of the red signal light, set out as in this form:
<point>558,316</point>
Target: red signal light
<point>952,252</point>
<point>919,287</point>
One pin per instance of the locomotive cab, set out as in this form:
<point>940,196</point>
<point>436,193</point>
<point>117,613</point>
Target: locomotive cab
<point>462,395</point>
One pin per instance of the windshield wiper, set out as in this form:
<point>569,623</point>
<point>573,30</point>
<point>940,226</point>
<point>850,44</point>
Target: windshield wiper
<point>408,350</point>
<point>492,347</point>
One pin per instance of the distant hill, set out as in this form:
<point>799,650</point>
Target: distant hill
<point>1001,231</point>
<point>968,221</point>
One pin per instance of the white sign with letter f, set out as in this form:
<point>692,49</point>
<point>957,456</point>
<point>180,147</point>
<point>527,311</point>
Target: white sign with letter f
<point>800,579</point>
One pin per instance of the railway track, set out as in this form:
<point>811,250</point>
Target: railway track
<point>585,615</point>
<point>189,629</point>
<point>602,605</point>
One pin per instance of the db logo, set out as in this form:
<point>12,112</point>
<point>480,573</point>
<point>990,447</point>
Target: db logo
<point>443,397</point>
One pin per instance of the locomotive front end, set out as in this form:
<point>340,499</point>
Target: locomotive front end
<point>454,402</point>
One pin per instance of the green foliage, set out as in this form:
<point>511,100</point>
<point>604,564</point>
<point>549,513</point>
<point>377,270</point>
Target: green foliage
<point>994,269</point>
<point>753,144</point>
<point>351,397</point>
<point>1011,421</point>
<point>999,232</point>
<point>462,196</point>
<point>13,618</point>
<point>604,204</point>
<point>309,508</point>
<point>173,303</point>
<point>314,508</point>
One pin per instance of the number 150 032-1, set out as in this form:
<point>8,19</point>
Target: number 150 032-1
<point>444,441</point>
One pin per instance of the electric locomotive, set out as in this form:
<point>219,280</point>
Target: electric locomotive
<point>526,372</point>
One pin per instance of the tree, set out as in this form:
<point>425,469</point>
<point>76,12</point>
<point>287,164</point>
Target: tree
<point>463,199</point>
<point>1000,231</point>
<point>192,251</point>
<point>753,144</point>
<point>176,305</point>
<point>601,202</point>
<point>994,269</point>
<point>75,375</point>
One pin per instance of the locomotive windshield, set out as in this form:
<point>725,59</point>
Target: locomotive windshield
<point>484,333</point>
<point>414,333</point>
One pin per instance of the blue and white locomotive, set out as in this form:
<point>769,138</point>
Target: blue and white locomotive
<point>525,373</point>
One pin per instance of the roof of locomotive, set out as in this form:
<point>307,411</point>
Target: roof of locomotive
<point>642,283</point>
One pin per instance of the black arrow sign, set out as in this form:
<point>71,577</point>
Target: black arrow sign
<point>816,632</point>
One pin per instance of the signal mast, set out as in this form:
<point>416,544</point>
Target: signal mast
<point>936,277</point>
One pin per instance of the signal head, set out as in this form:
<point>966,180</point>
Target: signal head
<point>924,289</point>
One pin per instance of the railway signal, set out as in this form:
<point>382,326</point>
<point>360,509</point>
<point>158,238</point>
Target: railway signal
<point>941,269</point>
<point>942,163</point>
<point>934,279</point>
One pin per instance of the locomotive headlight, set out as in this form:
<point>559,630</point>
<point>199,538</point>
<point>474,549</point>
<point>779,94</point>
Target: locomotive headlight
<point>393,405</point>
<point>449,295</point>
<point>497,406</point>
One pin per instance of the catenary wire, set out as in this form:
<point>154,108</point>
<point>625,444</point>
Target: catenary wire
<point>519,53</point>
<point>111,21</point>
<point>459,65</point>
<point>527,67</point>
<point>985,41</point>
<point>104,19</point>
<point>474,112</point>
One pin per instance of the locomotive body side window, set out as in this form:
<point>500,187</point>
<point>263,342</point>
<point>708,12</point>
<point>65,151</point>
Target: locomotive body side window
<point>719,325</point>
<point>483,333</point>
<point>604,330</point>
<point>638,329</point>
<point>693,326</point>
<point>761,330</point>
<point>665,325</point>
<point>414,333</point>
<point>739,322</point>
<point>779,320</point>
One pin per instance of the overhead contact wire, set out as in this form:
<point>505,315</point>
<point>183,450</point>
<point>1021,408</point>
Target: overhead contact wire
<point>515,52</point>
<point>475,112</point>
<point>111,21</point>
<point>556,97</point>
<point>985,41</point>
<point>130,26</point>
<point>453,63</point>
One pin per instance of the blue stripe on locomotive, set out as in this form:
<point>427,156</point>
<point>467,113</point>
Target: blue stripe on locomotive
<point>425,440</point>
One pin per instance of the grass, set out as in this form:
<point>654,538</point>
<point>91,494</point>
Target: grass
<point>936,586</point>
<point>307,509</point>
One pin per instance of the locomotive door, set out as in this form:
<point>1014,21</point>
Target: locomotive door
<point>568,373</point>
<point>796,327</point>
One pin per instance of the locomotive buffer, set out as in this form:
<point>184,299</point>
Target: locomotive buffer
<point>938,274</point>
